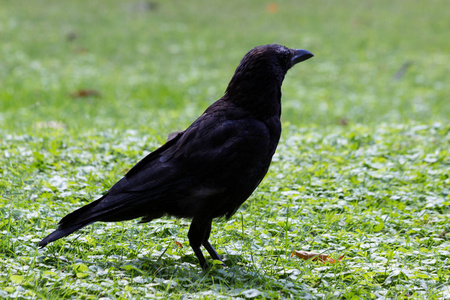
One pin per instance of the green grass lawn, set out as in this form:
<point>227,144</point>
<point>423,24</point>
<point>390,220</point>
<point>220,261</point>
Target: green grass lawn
<point>363,167</point>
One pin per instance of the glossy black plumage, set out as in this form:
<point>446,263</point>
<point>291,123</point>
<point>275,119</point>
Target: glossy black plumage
<point>211,168</point>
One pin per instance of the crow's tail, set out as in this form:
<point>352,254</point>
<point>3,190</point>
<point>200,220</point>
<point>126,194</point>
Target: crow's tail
<point>75,220</point>
<point>59,233</point>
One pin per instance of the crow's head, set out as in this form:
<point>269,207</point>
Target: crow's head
<point>261,72</point>
<point>276,57</point>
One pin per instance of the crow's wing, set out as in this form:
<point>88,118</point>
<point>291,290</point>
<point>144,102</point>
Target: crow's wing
<point>210,168</point>
<point>215,155</point>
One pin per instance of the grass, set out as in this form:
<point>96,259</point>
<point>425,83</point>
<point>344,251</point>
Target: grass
<point>363,168</point>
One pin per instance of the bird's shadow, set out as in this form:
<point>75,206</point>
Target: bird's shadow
<point>168,267</point>
<point>183,269</point>
<point>186,269</point>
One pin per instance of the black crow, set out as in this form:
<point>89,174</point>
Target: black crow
<point>208,170</point>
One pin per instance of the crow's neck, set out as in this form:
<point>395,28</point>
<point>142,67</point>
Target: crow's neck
<point>261,97</point>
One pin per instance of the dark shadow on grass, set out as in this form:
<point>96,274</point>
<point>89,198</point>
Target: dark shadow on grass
<point>163,270</point>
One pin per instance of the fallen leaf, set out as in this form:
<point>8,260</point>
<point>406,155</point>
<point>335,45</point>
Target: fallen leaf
<point>343,121</point>
<point>272,8</point>
<point>85,93</point>
<point>314,256</point>
<point>442,235</point>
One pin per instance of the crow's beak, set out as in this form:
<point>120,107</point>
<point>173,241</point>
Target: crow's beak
<point>300,55</point>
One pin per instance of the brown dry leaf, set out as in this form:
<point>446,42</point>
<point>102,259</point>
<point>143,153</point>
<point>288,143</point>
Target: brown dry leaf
<point>442,235</point>
<point>314,256</point>
<point>343,121</point>
<point>179,244</point>
<point>272,8</point>
<point>85,93</point>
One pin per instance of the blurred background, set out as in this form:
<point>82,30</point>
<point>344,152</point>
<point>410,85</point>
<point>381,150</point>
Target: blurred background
<point>87,88</point>
<point>159,64</point>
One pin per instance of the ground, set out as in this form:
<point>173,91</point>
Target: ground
<point>363,168</point>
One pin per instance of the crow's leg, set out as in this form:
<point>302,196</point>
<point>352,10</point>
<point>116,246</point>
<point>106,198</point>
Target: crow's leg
<point>211,250</point>
<point>208,246</point>
<point>197,232</point>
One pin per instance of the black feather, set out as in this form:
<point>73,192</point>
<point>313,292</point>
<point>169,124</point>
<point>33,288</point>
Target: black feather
<point>211,168</point>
